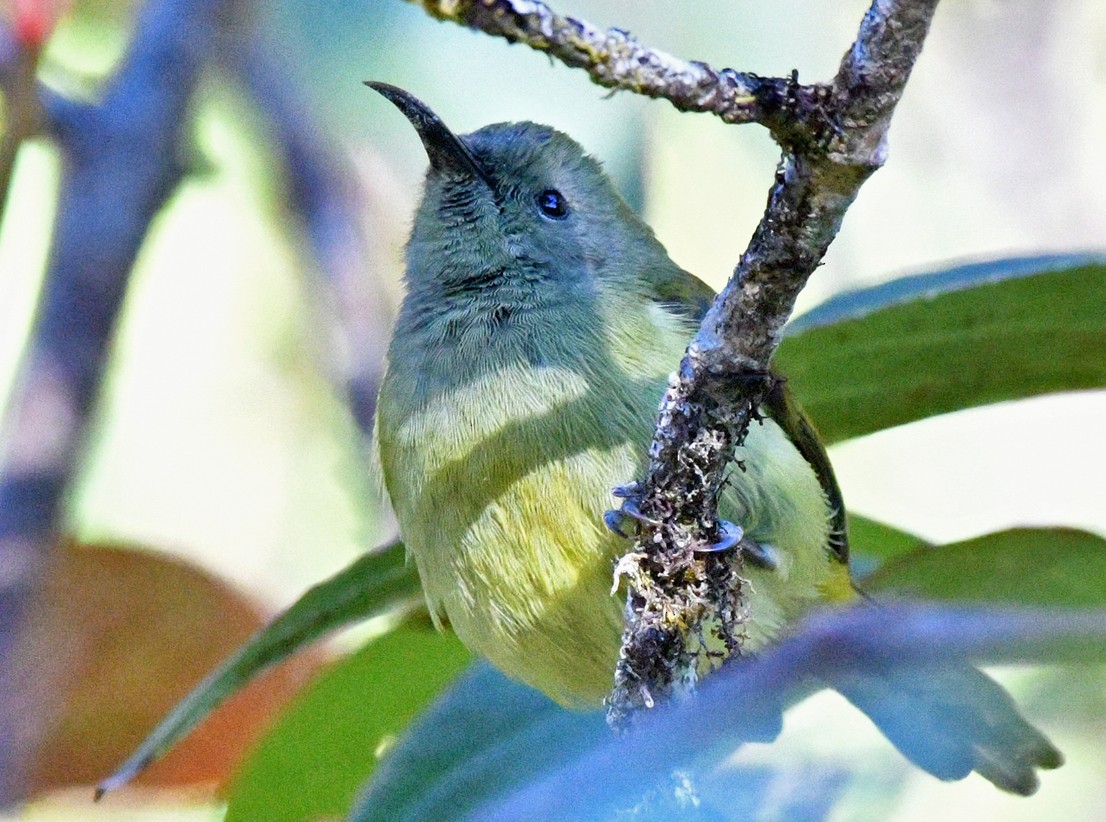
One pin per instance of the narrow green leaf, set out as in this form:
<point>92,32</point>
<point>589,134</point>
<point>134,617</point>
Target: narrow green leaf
<point>373,584</point>
<point>913,348</point>
<point>312,762</point>
<point>1023,566</point>
<point>852,305</point>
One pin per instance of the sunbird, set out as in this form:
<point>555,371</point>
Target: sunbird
<point>540,324</point>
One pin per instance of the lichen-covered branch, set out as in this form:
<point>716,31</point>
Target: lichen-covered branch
<point>615,60</point>
<point>706,412</point>
<point>833,138</point>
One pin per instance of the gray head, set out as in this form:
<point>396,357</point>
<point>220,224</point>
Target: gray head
<point>519,206</point>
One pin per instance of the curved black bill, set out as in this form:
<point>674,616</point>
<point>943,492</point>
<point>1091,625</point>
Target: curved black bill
<point>447,152</point>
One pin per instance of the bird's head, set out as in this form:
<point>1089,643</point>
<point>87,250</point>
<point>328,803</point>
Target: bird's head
<point>515,205</point>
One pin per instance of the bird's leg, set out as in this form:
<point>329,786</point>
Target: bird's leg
<point>761,554</point>
<point>730,534</point>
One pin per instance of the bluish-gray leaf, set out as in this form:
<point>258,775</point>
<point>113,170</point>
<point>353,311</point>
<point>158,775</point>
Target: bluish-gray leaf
<point>491,749</point>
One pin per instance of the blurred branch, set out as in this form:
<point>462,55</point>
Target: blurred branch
<point>322,196</point>
<point>122,160</point>
<point>22,114</point>
<point>833,139</point>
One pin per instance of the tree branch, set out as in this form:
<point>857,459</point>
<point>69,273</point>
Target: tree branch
<point>614,59</point>
<point>323,196</point>
<point>833,138</point>
<point>706,412</point>
<point>122,161</point>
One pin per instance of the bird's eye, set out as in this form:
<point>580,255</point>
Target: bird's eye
<point>553,204</point>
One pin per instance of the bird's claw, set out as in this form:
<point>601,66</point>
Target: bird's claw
<point>614,520</point>
<point>760,554</point>
<point>755,553</point>
<point>627,491</point>
<point>729,535</point>
<point>629,510</point>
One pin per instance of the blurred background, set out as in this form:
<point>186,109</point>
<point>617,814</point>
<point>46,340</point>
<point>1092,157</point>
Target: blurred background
<point>223,437</point>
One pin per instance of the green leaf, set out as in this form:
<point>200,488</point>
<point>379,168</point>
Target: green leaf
<point>377,582</point>
<point>1023,566</point>
<point>874,541</point>
<point>853,305</point>
<point>311,764</point>
<point>929,345</point>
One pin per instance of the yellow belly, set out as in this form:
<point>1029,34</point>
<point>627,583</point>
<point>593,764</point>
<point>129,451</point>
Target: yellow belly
<point>502,509</point>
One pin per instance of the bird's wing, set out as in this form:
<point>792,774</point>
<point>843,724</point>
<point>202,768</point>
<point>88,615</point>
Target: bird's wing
<point>782,408</point>
<point>690,297</point>
<point>680,292</point>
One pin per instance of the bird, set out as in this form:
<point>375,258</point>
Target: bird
<point>540,323</point>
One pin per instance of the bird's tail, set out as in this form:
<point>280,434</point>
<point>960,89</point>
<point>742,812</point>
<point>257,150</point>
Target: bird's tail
<point>953,720</point>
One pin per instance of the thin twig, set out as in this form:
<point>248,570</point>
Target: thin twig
<point>614,59</point>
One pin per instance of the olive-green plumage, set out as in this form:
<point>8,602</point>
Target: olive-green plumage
<point>541,321</point>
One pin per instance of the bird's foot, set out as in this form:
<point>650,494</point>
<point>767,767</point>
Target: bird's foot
<point>630,490</point>
<point>762,555</point>
<point>729,535</point>
<point>627,512</point>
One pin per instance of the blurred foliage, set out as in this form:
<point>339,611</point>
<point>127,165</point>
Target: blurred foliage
<point>1032,566</point>
<point>24,244</point>
<point>491,748</point>
<point>487,734</point>
<point>119,636</point>
<point>217,337</point>
<point>329,741</point>
<point>379,584</point>
<point>873,542</point>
